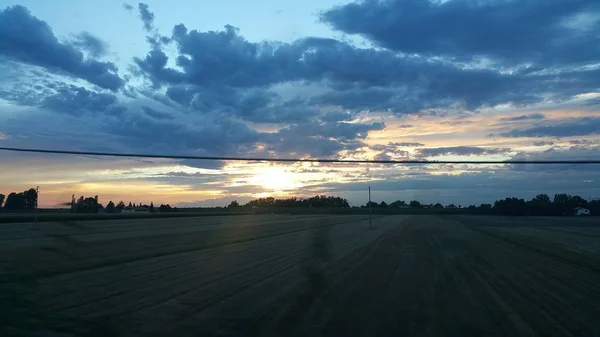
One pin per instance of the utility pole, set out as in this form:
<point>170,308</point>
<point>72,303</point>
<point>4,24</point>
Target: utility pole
<point>370,217</point>
<point>37,198</point>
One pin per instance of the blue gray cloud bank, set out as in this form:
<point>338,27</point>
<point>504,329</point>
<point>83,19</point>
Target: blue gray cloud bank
<point>218,93</point>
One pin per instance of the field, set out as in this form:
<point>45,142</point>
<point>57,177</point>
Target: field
<point>302,275</point>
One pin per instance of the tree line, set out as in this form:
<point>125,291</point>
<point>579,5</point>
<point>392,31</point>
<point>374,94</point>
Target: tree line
<point>91,205</point>
<point>542,204</point>
<point>26,200</point>
<point>316,201</point>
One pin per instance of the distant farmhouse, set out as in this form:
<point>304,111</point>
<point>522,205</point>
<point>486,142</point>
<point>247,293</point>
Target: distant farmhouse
<point>581,211</point>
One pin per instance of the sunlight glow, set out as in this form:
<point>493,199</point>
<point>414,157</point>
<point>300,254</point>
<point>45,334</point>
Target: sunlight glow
<point>274,178</point>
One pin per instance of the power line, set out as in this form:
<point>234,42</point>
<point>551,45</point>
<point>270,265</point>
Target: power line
<point>302,160</point>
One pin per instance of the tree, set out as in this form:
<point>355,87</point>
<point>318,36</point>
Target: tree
<point>397,204</point>
<point>15,201</point>
<point>383,204</point>
<point>110,208</point>
<point>2,197</point>
<point>86,205</point>
<point>120,205</point>
<point>31,198</point>
<point>233,204</point>
<point>438,205</point>
<point>415,204</point>
<point>510,206</point>
<point>22,201</point>
<point>130,205</point>
<point>540,205</point>
<point>151,206</point>
<point>165,208</point>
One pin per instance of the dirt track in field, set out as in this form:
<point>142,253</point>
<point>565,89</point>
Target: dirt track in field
<point>303,276</point>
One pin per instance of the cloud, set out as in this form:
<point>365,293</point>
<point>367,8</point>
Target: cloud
<point>64,98</point>
<point>535,116</point>
<point>359,79</point>
<point>582,126</point>
<point>27,39</point>
<point>319,139</point>
<point>461,151</point>
<point>572,153</point>
<point>127,7</point>
<point>146,16</point>
<point>408,144</point>
<point>536,32</point>
<point>337,116</point>
<point>584,142</point>
<point>93,45</point>
<point>156,114</point>
<point>543,143</point>
<point>592,102</point>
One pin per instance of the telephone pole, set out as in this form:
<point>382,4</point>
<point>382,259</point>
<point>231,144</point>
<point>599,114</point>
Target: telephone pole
<point>37,198</point>
<point>370,216</point>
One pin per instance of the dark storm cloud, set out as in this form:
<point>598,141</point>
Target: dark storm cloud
<point>518,31</point>
<point>535,116</point>
<point>582,126</point>
<point>91,44</point>
<point>146,16</point>
<point>461,151</point>
<point>27,39</point>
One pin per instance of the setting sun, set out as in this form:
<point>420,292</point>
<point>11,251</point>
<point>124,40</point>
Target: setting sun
<point>274,178</point>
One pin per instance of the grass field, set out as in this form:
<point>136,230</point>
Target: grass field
<point>302,275</point>
<point>65,215</point>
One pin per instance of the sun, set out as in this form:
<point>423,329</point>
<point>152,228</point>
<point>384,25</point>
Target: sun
<point>274,178</point>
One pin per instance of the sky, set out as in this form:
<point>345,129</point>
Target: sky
<point>373,79</point>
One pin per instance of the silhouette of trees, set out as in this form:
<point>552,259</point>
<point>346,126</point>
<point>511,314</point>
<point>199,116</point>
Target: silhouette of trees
<point>398,204</point>
<point>166,208</point>
<point>233,204</point>
<point>110,207</point>
<point>86,205</point>
<point>2,197</point>
<point>21,201</point>
<point>415,204</point>
<point>316,201</point>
